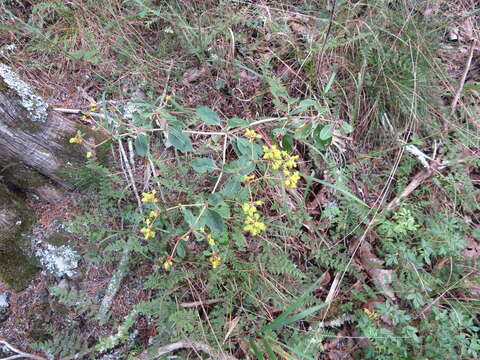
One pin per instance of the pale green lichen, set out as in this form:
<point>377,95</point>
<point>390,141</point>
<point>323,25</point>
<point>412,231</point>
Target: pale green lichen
<point>7,50</point>
<point>34,104</point>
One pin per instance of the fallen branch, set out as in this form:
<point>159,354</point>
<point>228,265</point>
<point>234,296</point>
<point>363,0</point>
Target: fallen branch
<point>419,179</point>
<point>18,353</point>
<point>462,80</point>
<point>184,344</point>
<point>201,302</point>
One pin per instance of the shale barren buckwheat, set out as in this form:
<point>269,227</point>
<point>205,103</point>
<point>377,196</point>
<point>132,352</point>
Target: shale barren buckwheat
<point>251,135</point>
<point>77,139</point>
<point>281,160</point>
<point>252,223</point>
<point>147,229</point>
<point>168,263</point>
<point>149,197</point>
<point>215,260</point>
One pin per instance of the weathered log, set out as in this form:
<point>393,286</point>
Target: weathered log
<point>34,141</point>
<point>35,156</point>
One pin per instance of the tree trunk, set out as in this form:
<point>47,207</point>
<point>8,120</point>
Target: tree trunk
<point>35,155</point>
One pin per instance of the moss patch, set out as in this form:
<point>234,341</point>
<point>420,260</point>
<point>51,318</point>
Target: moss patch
<point>17,266</point>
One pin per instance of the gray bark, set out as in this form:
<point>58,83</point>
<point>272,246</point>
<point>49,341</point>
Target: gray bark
<point>35,155</point>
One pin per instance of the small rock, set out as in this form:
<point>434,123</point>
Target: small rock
<point>4,306</point>
<point>452,35</point>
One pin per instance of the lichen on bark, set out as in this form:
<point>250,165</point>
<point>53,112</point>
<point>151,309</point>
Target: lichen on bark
<point>34,104</point>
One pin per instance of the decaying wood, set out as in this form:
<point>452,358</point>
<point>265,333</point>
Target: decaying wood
<point>35,156</point>
<point>34,140</point>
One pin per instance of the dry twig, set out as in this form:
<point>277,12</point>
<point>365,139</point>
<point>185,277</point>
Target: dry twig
<point>18,353</point>
<point>464,77</point>
<point>200,303</point>
<point>184,344</point>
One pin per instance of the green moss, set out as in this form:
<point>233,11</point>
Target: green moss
<point>59,238</point>
<point>24,178</point>
<point>17,267</point>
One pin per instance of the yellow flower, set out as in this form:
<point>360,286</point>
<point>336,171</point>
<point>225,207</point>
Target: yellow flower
<point>251,135</point>
<point>89,155</point>
<point>215,260</point>
<point>154,214</point>
<point>92,106</point>
<point>276,164</point>
<point>248,178</point>
<point>149,197</point>
<point>371,314</point>
<point>76,140</point>
<point>251,222</point>
<point>290,162</point>
<point>292,180</point>
<point>168,263</point>
<point>210,239</point>
<point>147,232</point>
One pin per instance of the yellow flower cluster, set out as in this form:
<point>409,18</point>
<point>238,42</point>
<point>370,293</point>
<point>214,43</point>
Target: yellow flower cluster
<point>252,223</point>
<point>92,106</point>
<point>168,263</point>
<point>215,260</point>
<point>89,155</point>
<point>251,135</point>
<point>147,230</point>
<point>149,197</point>
<point>371,314</point>
<point>280,159</point>
<point>76,140</point>
<point>291,180</point>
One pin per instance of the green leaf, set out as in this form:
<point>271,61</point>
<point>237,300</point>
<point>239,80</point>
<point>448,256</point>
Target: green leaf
<point>337,188</point>
<point>180,250</point>
<point>202,165</point>
<point>214,221</point>
<point>284,318</point>
<point>232,186</point>
<point>242,166</point>
<point>236,122</point>
<point>329,83</point>
<point>253,346</point>
<point>347,128</point>
<point>207,115</point>
<point>287,142</point>
<point>303,131</point>
<point>326,133</point>
<point>243,147</point>
<point>269,350</point>
<point>141,145</point>
<point>179,140</point>
<point>304,105</point>
<point>215,199</point>
<point>188,217</point>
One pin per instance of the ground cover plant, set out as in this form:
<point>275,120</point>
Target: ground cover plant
<point>289,180</point>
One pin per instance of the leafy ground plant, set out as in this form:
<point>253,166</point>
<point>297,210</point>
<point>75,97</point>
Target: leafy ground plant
<point>289,180</point>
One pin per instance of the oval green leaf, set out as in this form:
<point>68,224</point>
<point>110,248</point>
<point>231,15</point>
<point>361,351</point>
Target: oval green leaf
<point>202,165</point>
<point>214,221</point>
<point>179,140</point>
<point>207,115</point>
<point>141,145</point>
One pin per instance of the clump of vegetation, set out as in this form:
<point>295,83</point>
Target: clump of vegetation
<point>284,185</point>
